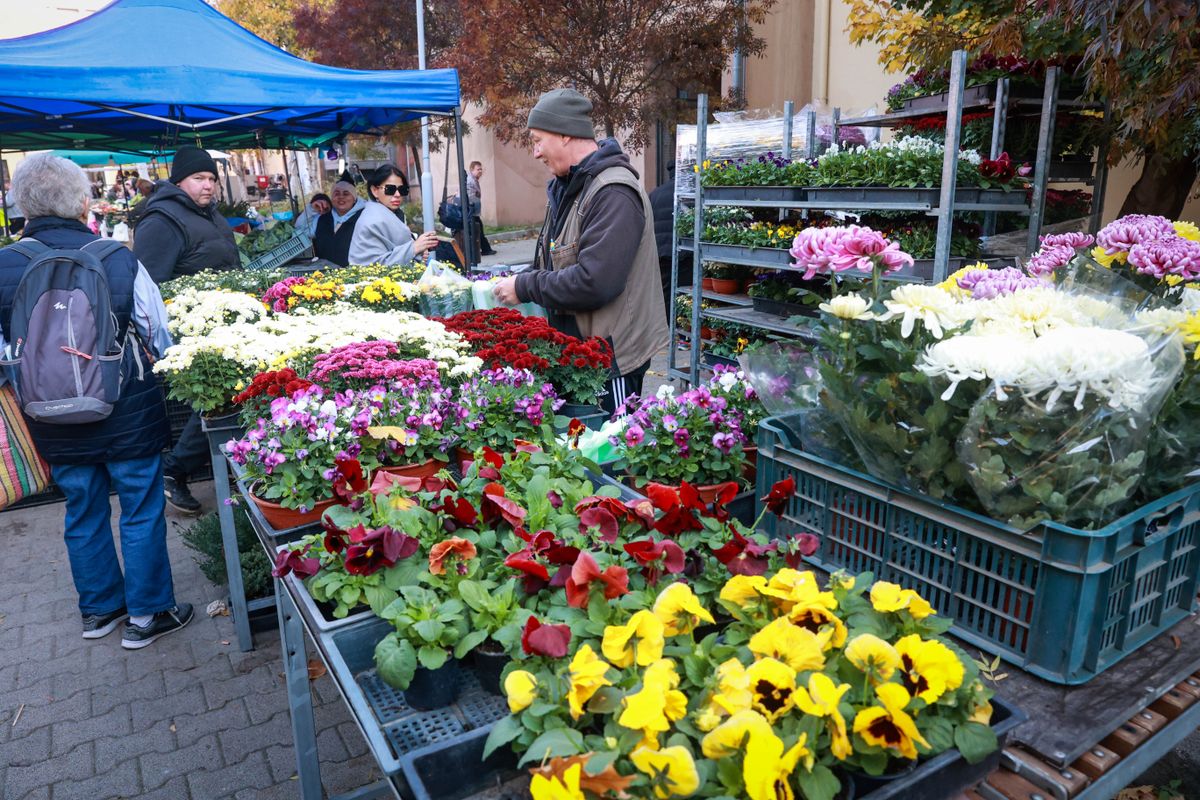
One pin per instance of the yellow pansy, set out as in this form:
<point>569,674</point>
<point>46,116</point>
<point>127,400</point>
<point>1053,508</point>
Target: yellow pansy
<point>732,735</point>
<point>672,770</point>
<point>873,656</point>
<point>731,695</point>
<point>743,591</point>
<point>772,687</point>
<point>982,714</point>
<point>543,788</point>
<point>587,676</point>
<point>928,669</point>
<point>767,768</point>
<point>888,725</point>
<point>819,620</point>
<point>521,689</point>
<point>787,587</point>
<point>640,640</point>
<point>888,597</point>
<point>821,699</point>
<point>679,609</point>
<point>799,648</point>
<point>1186,230</point>
<point>658,704</point>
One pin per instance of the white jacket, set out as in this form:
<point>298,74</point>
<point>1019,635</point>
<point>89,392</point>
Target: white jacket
<point>381,238</point>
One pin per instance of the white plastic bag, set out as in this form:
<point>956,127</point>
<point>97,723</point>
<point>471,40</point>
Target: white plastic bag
<point>443,292</point>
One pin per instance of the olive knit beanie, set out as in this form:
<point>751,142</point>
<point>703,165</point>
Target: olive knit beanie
<point>563,111</point>
<point>189,160</point>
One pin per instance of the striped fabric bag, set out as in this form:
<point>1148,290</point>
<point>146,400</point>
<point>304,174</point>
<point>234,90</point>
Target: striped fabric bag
<point>22,471</point>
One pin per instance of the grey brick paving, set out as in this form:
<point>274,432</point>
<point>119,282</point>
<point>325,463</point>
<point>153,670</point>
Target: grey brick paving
<point>188,718</point>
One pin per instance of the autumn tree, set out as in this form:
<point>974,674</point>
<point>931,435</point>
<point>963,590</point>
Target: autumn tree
<point>272,21</point>
<point>630,57</point>
<point>1141,57</point>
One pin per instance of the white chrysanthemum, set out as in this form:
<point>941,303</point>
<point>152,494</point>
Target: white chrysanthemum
<point>1190,300</point>
<point>1034,311</point>
<point>848,306</point>
<point>1161,321</point>
<point>934,307</point>
<point>195,312</point>
<point>975,358</point>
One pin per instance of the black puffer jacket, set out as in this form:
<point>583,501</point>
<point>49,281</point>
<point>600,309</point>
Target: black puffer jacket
<point>177,237</point>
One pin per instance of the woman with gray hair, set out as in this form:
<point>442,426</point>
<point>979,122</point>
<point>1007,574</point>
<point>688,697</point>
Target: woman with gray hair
<point>123,450</point>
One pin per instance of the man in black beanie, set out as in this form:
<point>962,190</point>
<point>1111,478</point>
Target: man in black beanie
<point>596,265</point>
<point>181,233</point>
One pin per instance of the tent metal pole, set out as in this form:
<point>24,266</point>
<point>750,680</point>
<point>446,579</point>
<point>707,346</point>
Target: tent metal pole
<point>287,180</point>
<point>4,179</point>
<point>468,224</point>
<point>426,172</point>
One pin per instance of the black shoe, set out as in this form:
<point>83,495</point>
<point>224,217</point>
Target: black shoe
<point>164,622</point>
<point>96,626</point>
<point>489,252</point>
<point>178,496</point>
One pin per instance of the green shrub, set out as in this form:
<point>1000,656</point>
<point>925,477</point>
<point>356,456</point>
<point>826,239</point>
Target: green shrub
<point>204,536</point>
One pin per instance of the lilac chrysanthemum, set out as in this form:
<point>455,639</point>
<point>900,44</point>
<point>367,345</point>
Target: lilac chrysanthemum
<point>1177,256</point>
<point>1121,235</point>
<point>1074,240</point>
<point>997,282</point>
<point>1048,259</point>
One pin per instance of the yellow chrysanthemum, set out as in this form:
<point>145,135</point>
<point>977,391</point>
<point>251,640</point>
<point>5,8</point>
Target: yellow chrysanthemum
<point>679,609</point>
<point>520,687</point>
<point>672,770</point>
<point>928,668</point>
<point>1186,230</point>
<point>951,283</point>
<point>1101,257</point>
<point>640,640</point>
<point>873,656</point>
<point>888,725</point>
<point>799,648</point>
<point>587,674</point>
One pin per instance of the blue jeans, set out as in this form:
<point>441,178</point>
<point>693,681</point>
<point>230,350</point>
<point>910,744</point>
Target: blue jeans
<point>146,586</point>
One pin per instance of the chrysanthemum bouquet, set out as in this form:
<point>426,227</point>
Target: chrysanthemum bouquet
<point>196,312</point>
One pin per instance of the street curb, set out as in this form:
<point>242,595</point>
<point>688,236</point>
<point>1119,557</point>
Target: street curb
<point>509,236</point>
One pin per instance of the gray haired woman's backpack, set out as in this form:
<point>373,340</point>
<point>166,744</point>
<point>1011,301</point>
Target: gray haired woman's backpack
<point>64,356</point>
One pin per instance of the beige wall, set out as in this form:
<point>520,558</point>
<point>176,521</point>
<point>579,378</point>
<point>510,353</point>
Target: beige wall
<point>784,71</point>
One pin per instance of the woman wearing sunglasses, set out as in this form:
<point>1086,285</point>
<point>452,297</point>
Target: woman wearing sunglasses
<point>382,235</point>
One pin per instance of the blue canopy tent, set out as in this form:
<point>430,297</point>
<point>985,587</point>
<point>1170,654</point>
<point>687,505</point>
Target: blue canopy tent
<point>197,78</point>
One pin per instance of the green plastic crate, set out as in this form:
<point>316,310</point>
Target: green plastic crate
<point>1062,603</point>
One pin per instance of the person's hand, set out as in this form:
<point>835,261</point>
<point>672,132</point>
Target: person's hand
<point>426,241</point>
<point>505,291</point>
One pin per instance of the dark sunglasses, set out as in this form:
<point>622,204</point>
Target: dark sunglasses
<point>391,189</point>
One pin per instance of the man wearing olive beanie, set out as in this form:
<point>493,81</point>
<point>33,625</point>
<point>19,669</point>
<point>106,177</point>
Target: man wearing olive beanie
<point>596,265</point>
<point>181,233</point>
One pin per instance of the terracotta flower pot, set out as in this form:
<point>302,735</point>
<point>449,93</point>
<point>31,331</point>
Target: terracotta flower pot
<point>281,518</point>
<point>708,333</point>
<point>425,469</point>
<point>706,284</point>
<point>726,285</point>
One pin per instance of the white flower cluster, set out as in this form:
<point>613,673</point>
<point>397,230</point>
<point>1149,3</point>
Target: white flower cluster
<point>274,342</point>
<point>196,312</point>
<point>905,144</point>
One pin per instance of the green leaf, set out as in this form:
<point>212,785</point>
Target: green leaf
<point>558,742</point>
<point>469,643</point>
<point>429,629</point>
<point>820,784</point>
<point>473,594</point>
<point>432,658</point>
<point>502,733</point>
<point>975,741</point>
<point>396,661</point>
<point>605,701</point>
<point>378,598</point>
<point>937,731</point>
<point>600,761</point>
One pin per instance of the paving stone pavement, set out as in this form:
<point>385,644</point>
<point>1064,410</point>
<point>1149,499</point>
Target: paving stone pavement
<point>190,717</point>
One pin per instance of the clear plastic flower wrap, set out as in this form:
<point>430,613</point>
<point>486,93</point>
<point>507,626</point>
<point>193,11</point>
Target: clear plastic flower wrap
<point>788,381</point>
<point>443,292</point>
<point>1062,432</point>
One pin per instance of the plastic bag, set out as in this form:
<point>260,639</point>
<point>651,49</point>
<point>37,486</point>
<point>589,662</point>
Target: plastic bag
<point>442,292</point>
<point>597,445</point>
<point>788,382</point>
<point>120,232</point>
<point>1064,438</point>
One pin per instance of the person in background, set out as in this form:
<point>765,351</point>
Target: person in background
<point>662,202</point>
<point>382,236</point>
<point>122,451</point>
<point>140,200</point>
<point>596,265</point>
<point>475,195</point>
<point>16,217</point>
<point>318,205</point>
<point>181,233</point>
<point>335,228</point>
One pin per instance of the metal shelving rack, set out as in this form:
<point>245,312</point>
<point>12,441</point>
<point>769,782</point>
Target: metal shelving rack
<point>944,209</point>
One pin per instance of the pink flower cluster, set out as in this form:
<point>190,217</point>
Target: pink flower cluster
<point>372,362</point>
<point>1119,236</point>
<point>992,283</point>
<point>1168,256</point>
<point>1048,259</point>
<point>1073,239</point>
<point>276,297</point>
<point>822,251</point>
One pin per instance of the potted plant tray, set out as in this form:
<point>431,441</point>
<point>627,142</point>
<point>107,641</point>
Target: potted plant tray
<point>783,308</point>
<point>782,194</point>
<point>750,256</point>
<point>390,726</point>
<point>316,614</point>
<point>845,196</point>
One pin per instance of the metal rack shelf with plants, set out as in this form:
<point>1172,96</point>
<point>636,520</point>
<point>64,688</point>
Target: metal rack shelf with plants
<point>942,202</point>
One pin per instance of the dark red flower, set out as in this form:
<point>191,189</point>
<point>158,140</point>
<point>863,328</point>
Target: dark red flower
<point>777,499</point>
<point>335,540</point>
<point>296,561</point>
<point>600,523</point>
<point>494,505</point>
<point>585,572</point>
<point>656,558</point>
<point>545,640</point>
<point>457,512</point>
<point>350,479</point>
<point>800,545</point>
<point>679,507</point>
<point>640,510</point>
<point>373,549</point>
<point>743,557</point>
<point>524,561</point>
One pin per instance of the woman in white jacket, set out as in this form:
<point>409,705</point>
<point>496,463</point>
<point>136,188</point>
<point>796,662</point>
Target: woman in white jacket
<point>381,235</point>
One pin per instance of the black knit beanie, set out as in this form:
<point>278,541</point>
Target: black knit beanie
<point>189,160</point>
<point>563,111</point>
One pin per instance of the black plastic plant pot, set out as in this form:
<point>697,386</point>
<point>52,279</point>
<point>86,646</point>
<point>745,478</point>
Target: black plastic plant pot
<point>578,410</point>
<point>865,784</point>
<point>488,668</point>
<point>432,689</point>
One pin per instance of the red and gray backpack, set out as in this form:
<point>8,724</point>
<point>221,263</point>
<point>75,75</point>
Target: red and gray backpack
<point>64,355</point>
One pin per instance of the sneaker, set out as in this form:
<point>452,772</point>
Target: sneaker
<point>164,622</point>
<point>96,626</point>
<point>178,496</point>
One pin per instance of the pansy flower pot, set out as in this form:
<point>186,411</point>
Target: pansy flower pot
<point>282,519</point>
<point>433,688</point>
<point>489,665</point>
<point>423,469</point>
<point>726,285</point>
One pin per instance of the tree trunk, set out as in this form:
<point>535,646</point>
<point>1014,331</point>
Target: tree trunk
<point>608,129</point>
<point>1163,186</point>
